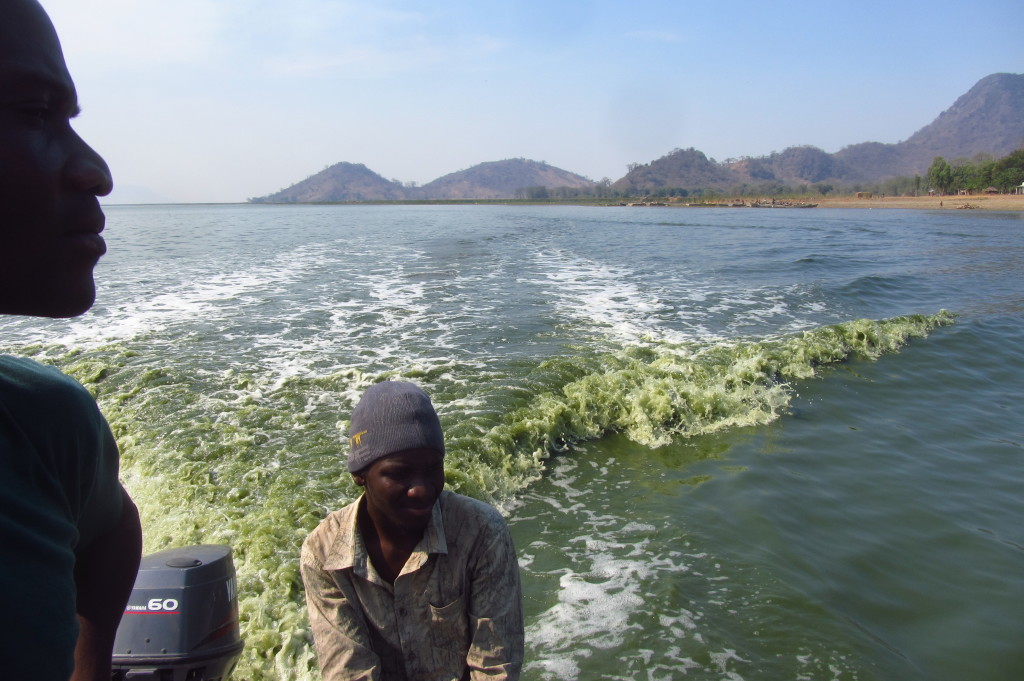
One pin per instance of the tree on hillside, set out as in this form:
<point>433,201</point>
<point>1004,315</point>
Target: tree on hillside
<point>940,175</point>
<point>963,174</point>
<point>1012,160</point>
<point>532,193</point>
<point>1008,172</point>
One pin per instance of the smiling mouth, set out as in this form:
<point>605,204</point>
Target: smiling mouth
<point>419,511</point>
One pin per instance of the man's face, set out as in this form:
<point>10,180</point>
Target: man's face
<point>50,217</point>
<point>401,489</point>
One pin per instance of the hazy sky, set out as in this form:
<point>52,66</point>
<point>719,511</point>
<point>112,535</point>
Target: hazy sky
<point>220,100</point>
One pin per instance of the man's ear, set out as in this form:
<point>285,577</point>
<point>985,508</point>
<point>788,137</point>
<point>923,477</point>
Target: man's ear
<point>359,480</point>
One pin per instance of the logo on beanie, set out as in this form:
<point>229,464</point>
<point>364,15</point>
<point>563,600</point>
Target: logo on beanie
<point>357,439</point>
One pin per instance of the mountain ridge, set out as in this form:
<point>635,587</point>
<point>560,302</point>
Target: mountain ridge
<point>987,119</point>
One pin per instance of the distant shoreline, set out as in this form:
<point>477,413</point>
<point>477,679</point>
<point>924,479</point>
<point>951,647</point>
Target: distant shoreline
<point>1004,202</point>
<point>1013,202</point>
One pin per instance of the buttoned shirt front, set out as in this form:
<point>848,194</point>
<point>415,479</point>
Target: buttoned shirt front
<point>454,611</point>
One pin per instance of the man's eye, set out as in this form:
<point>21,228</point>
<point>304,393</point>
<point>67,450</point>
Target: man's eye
<point>37,114</point>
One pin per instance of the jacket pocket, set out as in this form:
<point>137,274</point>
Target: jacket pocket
<point>449,629</point>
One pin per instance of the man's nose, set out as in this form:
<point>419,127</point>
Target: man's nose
<point>86,170</point>
<point>420,488</point>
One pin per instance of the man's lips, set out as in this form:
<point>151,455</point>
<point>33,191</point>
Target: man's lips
<point>89,243</point>
<point>419,510</point>
<point>85,236</point>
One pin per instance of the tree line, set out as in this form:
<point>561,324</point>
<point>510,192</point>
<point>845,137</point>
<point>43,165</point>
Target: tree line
<point>983,173</point>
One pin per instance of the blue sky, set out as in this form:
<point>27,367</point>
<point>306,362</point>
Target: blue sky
<point>220,100</point>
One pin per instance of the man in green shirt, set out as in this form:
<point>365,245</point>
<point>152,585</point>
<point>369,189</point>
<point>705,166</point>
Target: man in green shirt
<point>69,534</point>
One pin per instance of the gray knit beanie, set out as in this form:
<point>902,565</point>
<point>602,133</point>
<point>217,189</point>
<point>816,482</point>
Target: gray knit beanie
<point>392,417</point>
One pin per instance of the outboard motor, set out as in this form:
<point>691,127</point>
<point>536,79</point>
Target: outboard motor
<point>181,622</point>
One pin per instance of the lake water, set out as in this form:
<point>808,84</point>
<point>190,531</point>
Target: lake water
<point>731,443</point>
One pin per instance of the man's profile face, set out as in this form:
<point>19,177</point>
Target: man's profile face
<point>50,179</point>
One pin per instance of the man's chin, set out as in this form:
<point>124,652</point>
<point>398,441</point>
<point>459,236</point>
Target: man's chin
<point>72,306</point>
<point>60,305</point>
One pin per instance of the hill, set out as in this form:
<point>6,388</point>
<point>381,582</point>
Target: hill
<point>680,168</point>
<point>506,179</point>
<point>989,119</point>
<point>340,182</point>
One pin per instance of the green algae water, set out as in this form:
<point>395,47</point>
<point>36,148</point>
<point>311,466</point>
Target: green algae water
<point>731,444</point>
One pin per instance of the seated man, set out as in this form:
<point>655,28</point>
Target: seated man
<point>409,582</point>
<point>69,535</point>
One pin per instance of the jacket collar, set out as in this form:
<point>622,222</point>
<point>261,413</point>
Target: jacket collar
<point>349,552</point>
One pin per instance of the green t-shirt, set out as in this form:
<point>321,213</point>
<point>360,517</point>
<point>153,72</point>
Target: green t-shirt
<point>58,492</point>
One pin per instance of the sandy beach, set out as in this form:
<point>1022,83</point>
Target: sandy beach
<point>982,201</point>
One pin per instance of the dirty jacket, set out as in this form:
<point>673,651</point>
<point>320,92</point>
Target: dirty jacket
<point>454,612</point>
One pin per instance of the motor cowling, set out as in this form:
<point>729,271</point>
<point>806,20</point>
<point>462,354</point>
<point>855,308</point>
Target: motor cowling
<point>181,622</point>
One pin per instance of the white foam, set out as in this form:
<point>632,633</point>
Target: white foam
<point>200,294</point>
<point>601,595</point>
<point>605,297</point>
